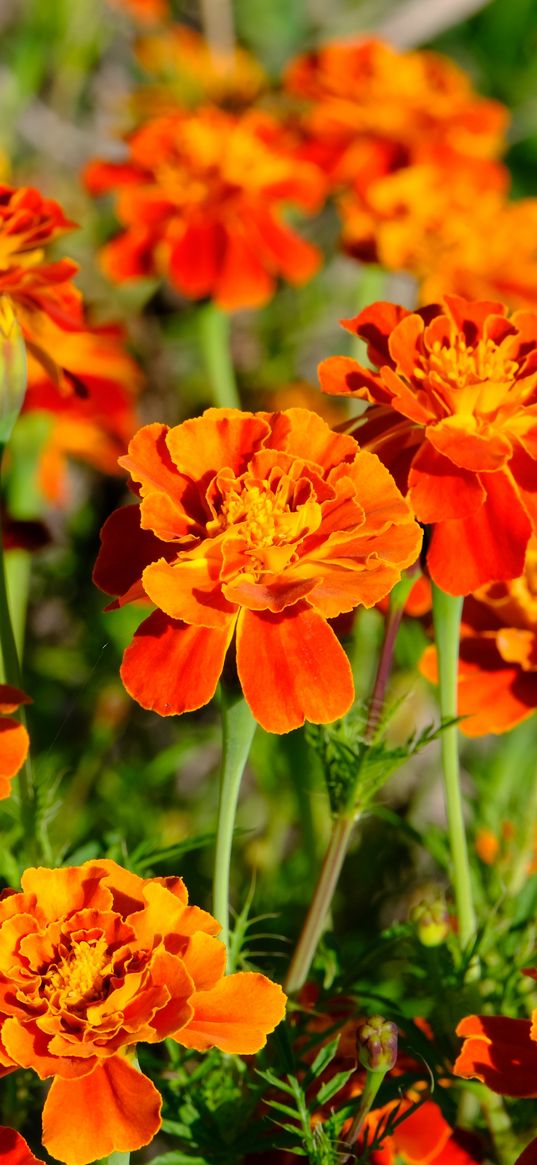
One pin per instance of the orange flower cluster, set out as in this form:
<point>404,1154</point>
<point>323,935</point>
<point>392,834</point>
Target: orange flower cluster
<point>201,200</point>
<point>261,525</point>
<point>71,366</point>
<point>95,959</point>
<point>502,1053</point>
<point>14,740</point>
<point>454,418</point>
<point>373,109</point>
<point>183,69</point>
<point>498,653</point>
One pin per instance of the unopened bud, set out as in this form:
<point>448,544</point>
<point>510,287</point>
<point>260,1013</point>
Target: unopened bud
<point>13,375</point>
<point>376,1041</point>
<point>431,919</point>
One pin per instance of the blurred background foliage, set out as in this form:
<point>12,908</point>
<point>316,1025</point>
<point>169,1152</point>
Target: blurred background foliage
<point>119,780</point>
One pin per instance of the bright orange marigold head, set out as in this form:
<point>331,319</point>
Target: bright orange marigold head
<point>262,526</point>
<point>14,740</point>
<point>201,205</point>
<point>94,959</point>
<point>183,69</point>
<point>365,91</point>
<point>454,418</point>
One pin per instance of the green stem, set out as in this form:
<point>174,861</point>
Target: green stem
<point>214,329</point>
<point>320,903</point>
<point>119,1159</point>
<point>18,565</point>
<point>344,823</point>
<point>447,611</point>
<point>372,1084</point>
<point>238,727</point>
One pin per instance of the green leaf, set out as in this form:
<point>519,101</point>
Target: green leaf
<point>328,1090</point>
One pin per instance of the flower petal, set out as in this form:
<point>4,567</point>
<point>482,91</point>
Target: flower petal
<point>236,1015</point>
<point>14,1150</point>
<point>292,668</point>
<point>14,745</point>
<point>438,490</point>
<point>115,1109</point>
<point>500,1052</point>
<point>171,667</point>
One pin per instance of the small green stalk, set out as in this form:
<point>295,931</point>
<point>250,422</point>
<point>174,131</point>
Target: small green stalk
<point>372,1084</point>
<point>214,329</point>
<point>238,727</point>
<point>447,611</point>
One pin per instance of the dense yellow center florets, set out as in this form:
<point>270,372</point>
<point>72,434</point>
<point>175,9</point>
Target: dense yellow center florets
<point>78,977</point>
<point>258,509</point>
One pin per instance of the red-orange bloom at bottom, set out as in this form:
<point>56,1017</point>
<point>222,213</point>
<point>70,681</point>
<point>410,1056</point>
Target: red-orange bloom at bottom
<point>94,959</point>
<point>259,526</point>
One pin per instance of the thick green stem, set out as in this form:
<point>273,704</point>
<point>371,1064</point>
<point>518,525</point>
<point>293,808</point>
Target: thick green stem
<point>344,824</point>
<point>214,328</point>
<point>447,618</point>
<point>372,1084</point>
<point>320,903</point>
<point>238,727</point>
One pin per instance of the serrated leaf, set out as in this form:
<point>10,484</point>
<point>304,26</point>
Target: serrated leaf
<point>323,1058</point>
<point>328,1090</point>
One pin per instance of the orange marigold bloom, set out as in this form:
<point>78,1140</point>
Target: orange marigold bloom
<point>502,1053</point>
<point>364,91</point>
<point>14,741</point>
<point>14,1150</point>
<point>265,525</point>
<point>497,679</point>
<point>455,420</point>
<point>93,423</point>
<point>202,206</point>
<point>94,959</point>
<point>187,70</point>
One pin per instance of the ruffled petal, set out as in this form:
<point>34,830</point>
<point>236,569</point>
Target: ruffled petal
<point>14,1150</point>
<point>221,438</point>
<point>115,1109</point>
<point>438,490</point>
<point>14,745</point>
<point>236,1015</point>
<point>171,667</point>
<point>500,1052</point>
<point>292,668</point>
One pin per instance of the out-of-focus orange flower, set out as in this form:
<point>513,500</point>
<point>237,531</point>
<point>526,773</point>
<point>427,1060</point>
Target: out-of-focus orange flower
<point>502,1053</point>
<point>96,421</point>
<point>14,1150</point>
<point>14,740</point>
<point>364,92</point>
<point>183,69</point>
<point>497,680</point>
<point>144,11</point>
<point>95,959</point>
<point>424,1137</point>
<point>261,525</point>
<point>455,420</point>
<point>202,204</point>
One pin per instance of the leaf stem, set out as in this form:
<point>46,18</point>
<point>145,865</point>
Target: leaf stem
<point>447,611</point>
<point>345,821</point>
<point>214,334</point>
<point>372,1084</point>
<point>238,727</point>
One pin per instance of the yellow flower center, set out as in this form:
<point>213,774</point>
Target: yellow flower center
<point>258,509</point>
<point>79,977</point>
<point>462,366</point>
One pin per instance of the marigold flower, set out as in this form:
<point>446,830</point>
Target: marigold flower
<point>261,525</point>
<point>14,741</point>
<point>95,421</point>
<point>365,92</point>
<point>502,1053</point>
<point>497,671</point>
<point>186,70</point>
<point>202,206</point>
<point>14,1150</point>
<point>455,420</point>
<point>94,959</point>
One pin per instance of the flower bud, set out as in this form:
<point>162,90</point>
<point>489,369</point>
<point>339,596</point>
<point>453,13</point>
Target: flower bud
<point>376,1040</point>
<point>431,919</point>
<point>13,375</point>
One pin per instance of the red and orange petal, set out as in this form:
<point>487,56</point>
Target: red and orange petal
<point>261,524</point>
<point>500,1052</point>
<point>454,417</point>
<point>14,740</point>
<point>14,1149</point>
<point>202,206</point>
<point>529,1156</point>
